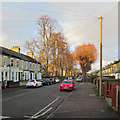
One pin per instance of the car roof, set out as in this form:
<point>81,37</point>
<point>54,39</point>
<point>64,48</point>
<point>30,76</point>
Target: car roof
<point>68,79</point>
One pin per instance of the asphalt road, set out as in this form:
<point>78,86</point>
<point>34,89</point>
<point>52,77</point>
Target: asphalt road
<point>32,102</point>
<point>48,102</point>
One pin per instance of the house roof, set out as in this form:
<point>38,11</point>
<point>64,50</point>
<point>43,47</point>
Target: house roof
<point>117,61</point>
<point>21,56</point>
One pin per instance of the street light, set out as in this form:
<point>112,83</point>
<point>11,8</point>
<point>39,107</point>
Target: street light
<point>100,86</point>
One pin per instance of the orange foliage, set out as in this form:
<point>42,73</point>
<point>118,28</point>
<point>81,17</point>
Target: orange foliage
<point>85,54</point>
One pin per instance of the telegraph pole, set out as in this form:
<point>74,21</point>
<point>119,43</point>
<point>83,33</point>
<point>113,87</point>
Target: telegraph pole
<point>100,83</point>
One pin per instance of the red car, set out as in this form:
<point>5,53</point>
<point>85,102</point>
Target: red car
<point>67,85</point>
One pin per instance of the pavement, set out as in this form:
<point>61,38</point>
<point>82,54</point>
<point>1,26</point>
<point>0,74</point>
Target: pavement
<point>12,89</point>
<point>84,102</point>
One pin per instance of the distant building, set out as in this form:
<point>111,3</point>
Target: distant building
<point>16,67</point>
<point>112,69</point>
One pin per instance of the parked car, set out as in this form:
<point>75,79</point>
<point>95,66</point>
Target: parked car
<point>46,81</point>
<point>52,80</point>
<point>34,83</point>
<point>67,85</point>
<point>79,79</point>
<point>57,80</point>
<point>70,78</point>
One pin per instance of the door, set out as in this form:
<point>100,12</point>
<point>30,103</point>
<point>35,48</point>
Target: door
<point>19,76</point>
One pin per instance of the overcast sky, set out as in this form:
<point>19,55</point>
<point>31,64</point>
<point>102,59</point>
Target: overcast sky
<point>79,22</point>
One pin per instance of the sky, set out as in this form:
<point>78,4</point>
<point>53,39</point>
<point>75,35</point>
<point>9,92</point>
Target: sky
<point>79,22</point>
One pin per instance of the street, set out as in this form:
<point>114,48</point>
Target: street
<point>32,102</point>
<point>57,46</point>
<point>49,102</point>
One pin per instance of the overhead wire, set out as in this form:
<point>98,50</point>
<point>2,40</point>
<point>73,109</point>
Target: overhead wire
<point>115,5</point>
<point>71,12</point>
<point>82,29</point>
<point>77,32</point>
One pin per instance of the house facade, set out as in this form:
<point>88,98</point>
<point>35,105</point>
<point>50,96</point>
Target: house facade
<point>16,67</point>
<point>112,69</point>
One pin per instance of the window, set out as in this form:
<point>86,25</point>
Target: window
<point>39,67</point>
<point>30,66</point>
<point>36,66</point>
<point>12,62</point>
<point>5,61</point>
<point>13,76</point>
<point>33,66</point>
<point>17,63</point>
<point>31,80</point>
<point>67,81</point>
<point>26,65</point>
<point>22,64</point>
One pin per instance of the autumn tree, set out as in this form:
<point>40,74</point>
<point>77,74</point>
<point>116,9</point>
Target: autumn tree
<point>85,54</point>
<point>68,61</point>
<point>50,48</point>
<point>41,47</point>
<point>56,51</point>
<point>60,54</point>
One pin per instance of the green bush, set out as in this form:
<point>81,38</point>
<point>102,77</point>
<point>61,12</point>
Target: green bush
<point>92,77</point>
<point>95,88</point>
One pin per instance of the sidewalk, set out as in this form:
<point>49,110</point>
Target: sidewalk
<point>85,103</point>
<point>12,89</point>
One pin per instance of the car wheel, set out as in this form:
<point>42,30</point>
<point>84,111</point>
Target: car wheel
<point>36,85</point>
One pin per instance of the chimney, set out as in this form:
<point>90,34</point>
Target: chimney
<point>16,49</point>
<point>30,54</point>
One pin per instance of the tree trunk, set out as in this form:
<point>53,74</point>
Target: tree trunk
<point>84,74</point>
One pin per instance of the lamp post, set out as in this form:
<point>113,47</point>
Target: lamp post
<point>100,85</point>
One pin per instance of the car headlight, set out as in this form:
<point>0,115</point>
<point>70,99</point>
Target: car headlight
<point>61,85</point>
<point>70,86</point>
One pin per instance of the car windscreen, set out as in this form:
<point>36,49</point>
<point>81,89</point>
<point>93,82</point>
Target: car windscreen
<point>44,79</point>
<point>69,82</point>
<point>32,81</point>
<point>38,80</point>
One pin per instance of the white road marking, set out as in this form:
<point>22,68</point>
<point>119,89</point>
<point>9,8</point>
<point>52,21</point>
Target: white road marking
<point>45,107</point>
<point>43,113</point>
<point>27,116</point>
<point>91,94</point>
<point>58,106</point>
<point>4,117</point>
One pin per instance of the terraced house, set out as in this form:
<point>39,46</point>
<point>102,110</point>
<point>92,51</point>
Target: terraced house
<point>112,69</point>
<point>17,68</point>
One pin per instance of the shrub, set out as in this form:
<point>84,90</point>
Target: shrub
<point>92,77</point>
